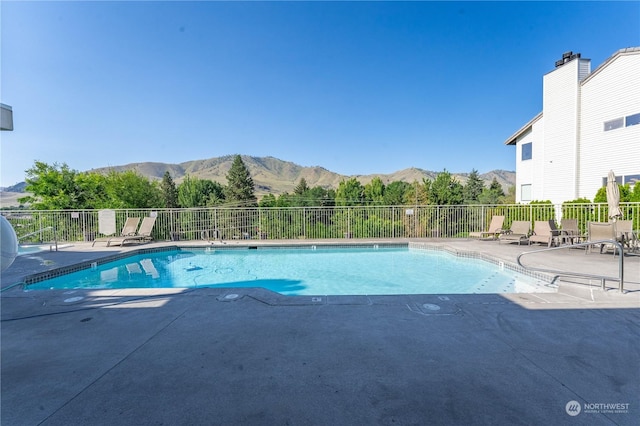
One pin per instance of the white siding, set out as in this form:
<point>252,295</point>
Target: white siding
<point>612,92</point>
<point>560,109</point>
<point>528,172</point>
<point>571,150</point>
<point>524,169</point>
<point>538,160</point>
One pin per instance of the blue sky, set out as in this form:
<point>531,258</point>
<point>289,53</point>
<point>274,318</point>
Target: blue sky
<point>355,87</point>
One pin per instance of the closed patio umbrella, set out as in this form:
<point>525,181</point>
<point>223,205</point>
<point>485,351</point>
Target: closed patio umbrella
<point>613,197</point>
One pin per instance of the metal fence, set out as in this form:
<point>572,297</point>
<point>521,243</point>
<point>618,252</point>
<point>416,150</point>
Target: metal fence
<point>276,223</point>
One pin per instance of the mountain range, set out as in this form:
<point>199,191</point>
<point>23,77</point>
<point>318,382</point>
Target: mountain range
<point>275,176</point>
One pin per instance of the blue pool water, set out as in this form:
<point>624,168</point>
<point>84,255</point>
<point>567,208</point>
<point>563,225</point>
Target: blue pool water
<point>348,271</point>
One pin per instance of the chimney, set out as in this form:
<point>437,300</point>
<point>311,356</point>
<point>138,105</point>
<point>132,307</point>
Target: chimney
<point>567,57</point>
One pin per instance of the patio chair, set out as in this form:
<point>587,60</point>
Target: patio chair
<point>599,231</point>
<point>544,231</point>
<point>495,229</point>
<point>129,228</point>
<point>142,236</point>
<point>570,231</point>
<point>519,232</point>
<point>625,234</point>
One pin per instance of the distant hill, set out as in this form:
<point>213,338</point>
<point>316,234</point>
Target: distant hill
<point>275,176</point>
<point>18,187</point>
<point>272,175</point>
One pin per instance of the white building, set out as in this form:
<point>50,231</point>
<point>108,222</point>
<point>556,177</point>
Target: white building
<point>589,124</point>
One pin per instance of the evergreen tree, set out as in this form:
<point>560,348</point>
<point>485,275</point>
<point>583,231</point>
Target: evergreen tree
<point>494,194</point>
<point>240,188</point>
<point>301,188</point>
<point>169,191</point>
<point>473,188</point>
<point>495,186</point>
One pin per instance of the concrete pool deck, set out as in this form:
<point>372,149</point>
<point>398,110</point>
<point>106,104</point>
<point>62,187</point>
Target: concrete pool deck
<point>249,356</point>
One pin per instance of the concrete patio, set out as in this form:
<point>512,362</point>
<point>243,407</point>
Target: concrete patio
<point>250,356</point>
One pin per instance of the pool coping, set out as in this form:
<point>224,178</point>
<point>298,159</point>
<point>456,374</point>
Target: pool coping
<point>548,279</point>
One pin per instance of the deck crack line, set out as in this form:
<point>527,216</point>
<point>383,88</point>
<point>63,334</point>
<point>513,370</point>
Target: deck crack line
<point>113,367</point>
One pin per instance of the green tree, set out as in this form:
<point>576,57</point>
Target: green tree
<point>194,192</point>
<point>169,191</point>
<point>418,193</point>
<point>374,191</point>
<point>58,187</point>
<point>94,186</point>
<point>493,194</point>
<point>625,194</point>
<point>301,187</point>
<point>349,193</point>
<point>495,186</point>
<point>240,187</point>
<point>320,196</point>
<point>129,190</point>
<point>445,190</point>
<point>634,196</point>
<point>510,196</point>
<point>216,193</point>
<point>473,188</point>
<point>269,200</point>
<point>286,200</point>
<point>394,193</point>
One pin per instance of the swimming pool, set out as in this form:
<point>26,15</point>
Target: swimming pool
<point>304,271</point>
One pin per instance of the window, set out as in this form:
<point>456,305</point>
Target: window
<point>525,192</point>
<point>606,179</point>
<point>632,120</point>
<point>632,180</point>
<point>613,124</point>
<point>526,151</point>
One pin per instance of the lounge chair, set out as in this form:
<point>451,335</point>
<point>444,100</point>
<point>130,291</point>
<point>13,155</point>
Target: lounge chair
<point>544,231</point>
<point>625,234</point>
<point>519,232</point>
<point>495,229</point>
<point>570,231</point>
<point>599,231</point>
<point>129,228</point>
<point>142,236</point>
